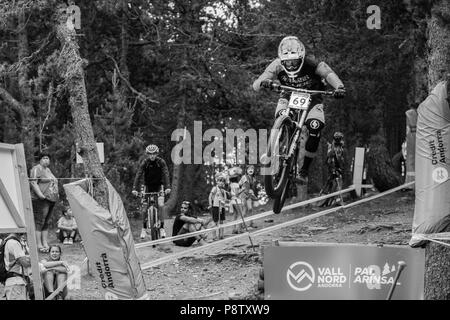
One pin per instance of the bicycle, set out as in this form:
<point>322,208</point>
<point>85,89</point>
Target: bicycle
<point>333,184</point>
<point>152,200</point>
<point>284,143</point>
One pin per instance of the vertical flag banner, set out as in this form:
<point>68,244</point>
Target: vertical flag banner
<point>432,207</point>
<point>411,126</point>
<point>108,242</point>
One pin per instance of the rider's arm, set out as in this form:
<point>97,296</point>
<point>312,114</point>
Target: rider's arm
<point>325,72</point>
<point>165,175</point>
<point>270,73</point>
<point>139,175</point>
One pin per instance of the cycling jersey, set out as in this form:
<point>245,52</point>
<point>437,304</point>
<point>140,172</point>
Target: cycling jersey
<point>309,77</point>
<point>155,174</point>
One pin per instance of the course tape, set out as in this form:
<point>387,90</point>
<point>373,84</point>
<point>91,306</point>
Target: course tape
<point>269,229</point>
<point>435,237</point>
<point>236,222</point>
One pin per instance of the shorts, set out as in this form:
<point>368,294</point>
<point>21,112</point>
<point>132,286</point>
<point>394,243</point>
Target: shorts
<point>16,292</point>
<point>186,242</point>
<point>60,234</point>
<point>215,214</point>
<point>42,210</point>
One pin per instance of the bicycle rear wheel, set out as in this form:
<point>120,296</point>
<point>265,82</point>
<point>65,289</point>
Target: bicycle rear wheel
<point>277,169</point>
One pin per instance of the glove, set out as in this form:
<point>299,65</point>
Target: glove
<point>267,83</point>
<point>339,93</point>
<point>135,193</point>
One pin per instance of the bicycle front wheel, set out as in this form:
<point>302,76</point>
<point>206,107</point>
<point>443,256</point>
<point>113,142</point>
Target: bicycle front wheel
<point>154,229</point>
<point>277,167</point>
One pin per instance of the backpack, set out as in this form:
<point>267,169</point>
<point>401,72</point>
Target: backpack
<point>3,273</point>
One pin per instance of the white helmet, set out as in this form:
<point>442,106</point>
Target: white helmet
<point>152,149</point>
<point>291,52</point>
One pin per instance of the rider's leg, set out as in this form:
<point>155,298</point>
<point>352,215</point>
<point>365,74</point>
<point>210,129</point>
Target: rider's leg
<point>162,232</point>
<point>144,226</point>
<point>315,121</point>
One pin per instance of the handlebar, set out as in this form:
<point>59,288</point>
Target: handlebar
<point>156,193</point>
<point>278,88</point>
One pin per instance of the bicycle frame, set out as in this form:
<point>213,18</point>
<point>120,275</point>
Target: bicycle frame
<point>298,106</point>
<point>300,113</point>
<point>150,199</point>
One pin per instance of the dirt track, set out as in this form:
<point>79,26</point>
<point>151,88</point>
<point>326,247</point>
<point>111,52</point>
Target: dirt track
<point>231,269</point>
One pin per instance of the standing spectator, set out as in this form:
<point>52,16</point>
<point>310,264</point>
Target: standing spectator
<point>399,162</point>
<point>56,273</point>
<point>44,194</point>
<point>217,198</point>
<point>67,227</point>
<point>249,185</point>
<point>16,262</point>
<point>236,202</point>
<point>185,222</point>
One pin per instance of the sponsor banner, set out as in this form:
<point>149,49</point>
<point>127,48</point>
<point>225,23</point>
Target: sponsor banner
<point>342,272</point>
<point>432,160</point>
<point>108,242</point>
<point>411,124</point>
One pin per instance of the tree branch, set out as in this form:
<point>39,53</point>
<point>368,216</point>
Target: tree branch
<point>9,99</point>
<point>16,66</point>
<point>139,95</point>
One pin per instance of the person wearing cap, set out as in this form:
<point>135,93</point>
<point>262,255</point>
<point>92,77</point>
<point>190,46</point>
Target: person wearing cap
<point>44,195</point>
<point>185,223</point>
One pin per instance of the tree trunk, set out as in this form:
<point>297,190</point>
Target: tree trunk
<point>70,67</point>
<point>28,127</point>
<point>437,256</point>
<point>380,167</point>
<point>177,169</point>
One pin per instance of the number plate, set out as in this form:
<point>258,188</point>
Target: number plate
<point>299,100</point>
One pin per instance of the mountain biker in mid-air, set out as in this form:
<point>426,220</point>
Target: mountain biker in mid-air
<point>155,172</point>
<point>294,69</point>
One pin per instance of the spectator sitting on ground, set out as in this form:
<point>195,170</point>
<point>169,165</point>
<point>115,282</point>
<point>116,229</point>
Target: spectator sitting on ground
<point>56,273</point>
<point>184,223</point>
<point>67,227</point>
<point>16,263</point>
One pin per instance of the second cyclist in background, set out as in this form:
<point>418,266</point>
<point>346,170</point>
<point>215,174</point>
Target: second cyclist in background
<point>154,172</point>
<point>336,155</point>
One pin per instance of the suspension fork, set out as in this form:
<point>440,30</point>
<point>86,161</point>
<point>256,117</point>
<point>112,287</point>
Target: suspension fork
<point>297,133</point>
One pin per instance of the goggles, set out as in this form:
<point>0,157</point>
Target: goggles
<point>292,64</point>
